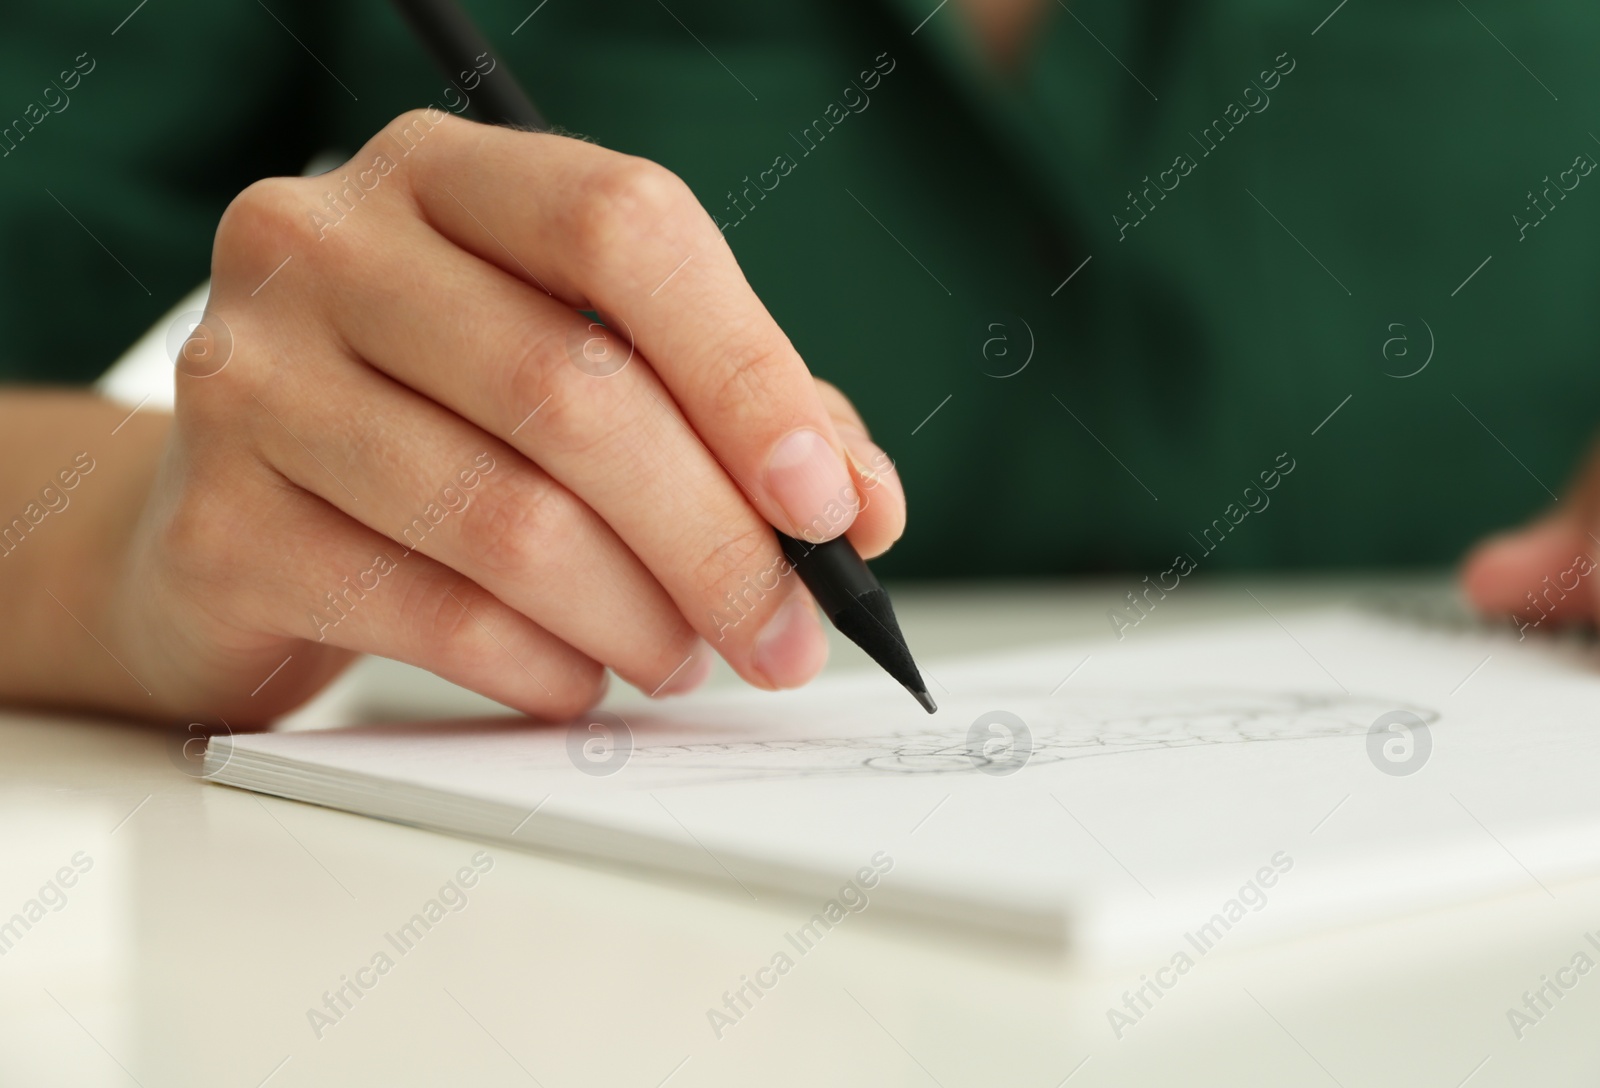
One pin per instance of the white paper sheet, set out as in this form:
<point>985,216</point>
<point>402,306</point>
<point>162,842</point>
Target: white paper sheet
<point>1174,778</point>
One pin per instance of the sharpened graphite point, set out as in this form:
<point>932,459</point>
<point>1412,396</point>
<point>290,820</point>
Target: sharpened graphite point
<point>851,597</point>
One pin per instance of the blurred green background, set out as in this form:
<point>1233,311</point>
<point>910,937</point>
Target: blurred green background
<point>919,249</point>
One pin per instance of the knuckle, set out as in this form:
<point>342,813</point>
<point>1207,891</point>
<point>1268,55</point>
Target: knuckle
<point>224,411</point>
<point>516,530</point>
<point>200,539</point>
<point>534,355</point>
<point>741,565</point>
<point>625,200</point>
<point>195,530</point>
<point>410,129</point>
<point>574,429</point>
<point>266,219</point>
<point>442,611</point>
<point>461,622</point>
<point>753,376</point>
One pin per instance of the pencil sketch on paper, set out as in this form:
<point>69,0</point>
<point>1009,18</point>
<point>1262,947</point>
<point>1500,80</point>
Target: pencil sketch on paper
<point>1094,725</point>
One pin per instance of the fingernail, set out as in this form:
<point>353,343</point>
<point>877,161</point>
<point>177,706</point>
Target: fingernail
<point>695,670</point>
<point>791,648</point>
<point>807,479</point>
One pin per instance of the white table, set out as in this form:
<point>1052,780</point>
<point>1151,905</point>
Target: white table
<point>212,920</point>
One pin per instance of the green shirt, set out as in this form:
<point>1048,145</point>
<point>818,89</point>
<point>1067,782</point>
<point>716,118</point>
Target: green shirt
<point>1215,225</point>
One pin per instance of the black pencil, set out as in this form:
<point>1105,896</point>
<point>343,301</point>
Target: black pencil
<point>833,571</point>
<point>851,597</point>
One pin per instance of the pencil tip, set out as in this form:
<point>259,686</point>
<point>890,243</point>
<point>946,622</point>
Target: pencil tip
<point>870,624</point>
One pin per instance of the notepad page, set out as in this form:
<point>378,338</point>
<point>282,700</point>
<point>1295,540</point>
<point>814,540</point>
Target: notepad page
<point>1130,792</point>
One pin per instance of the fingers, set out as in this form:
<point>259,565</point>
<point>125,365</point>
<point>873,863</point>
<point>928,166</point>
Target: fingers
<point>433,484</point>
<point>618,443</point>
<point>1539,571</point>
<point>424,614</point>
<point>637,246</point>
<point>455,270</point>
<point>357,591</point>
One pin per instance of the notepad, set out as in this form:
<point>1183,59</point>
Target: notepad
<point>1191,790</point>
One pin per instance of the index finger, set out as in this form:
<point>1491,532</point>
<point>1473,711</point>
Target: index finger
<point>626,237</point>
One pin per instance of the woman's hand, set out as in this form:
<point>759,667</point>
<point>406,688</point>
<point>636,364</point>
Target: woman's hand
<point>1543,574</point>
<point>397,434</point>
